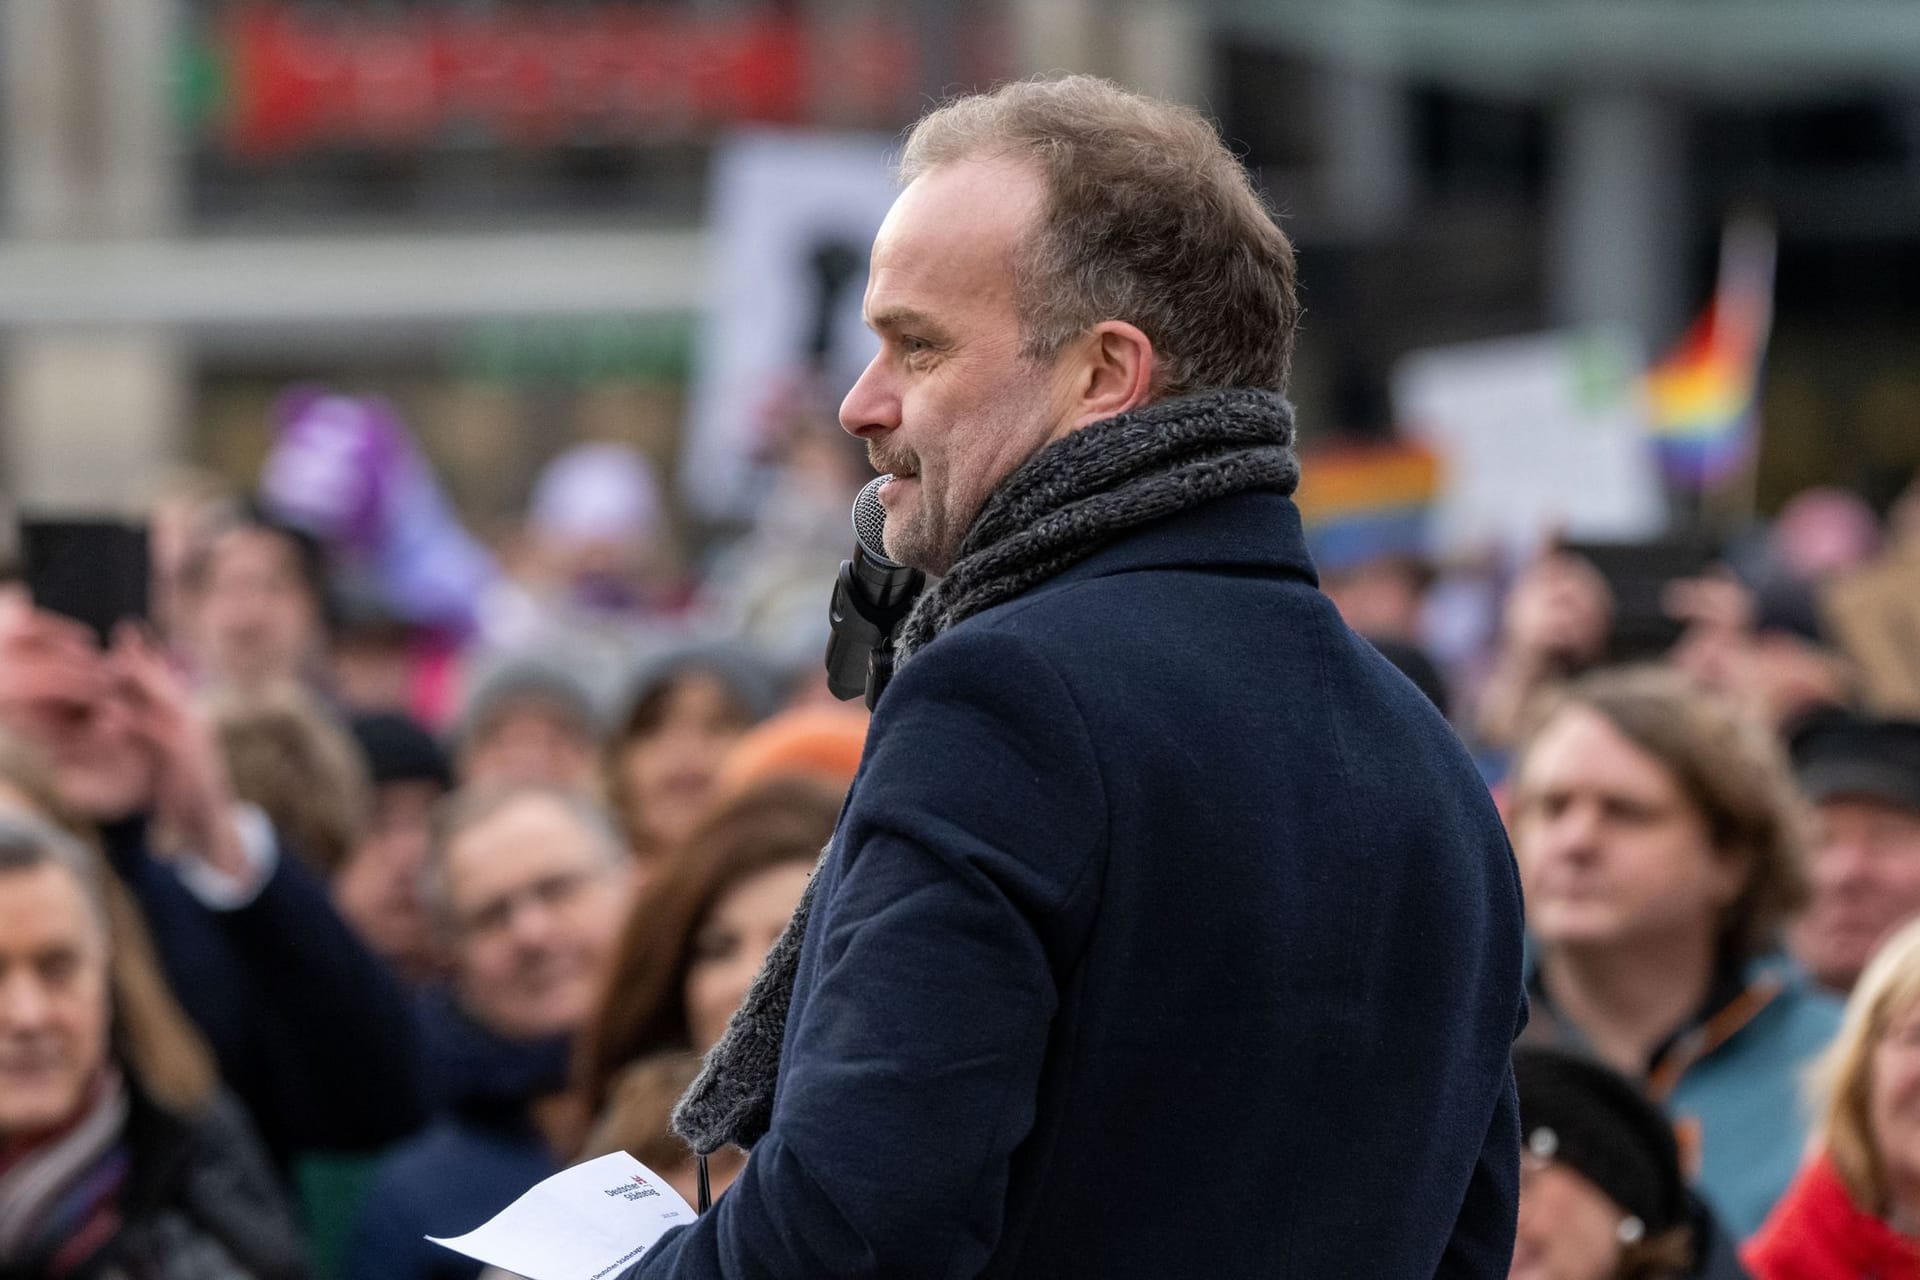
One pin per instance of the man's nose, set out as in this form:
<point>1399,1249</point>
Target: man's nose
<point>531,924</point>
<point>23,1003</point>
<point>872,406</point>
<point>1841,864</point>
<point>1575,832</point>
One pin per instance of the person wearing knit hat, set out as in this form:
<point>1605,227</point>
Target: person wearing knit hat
<point>596,492</point>
<point>596,537</point>
<point>1862,776</point>
<point>683,713</point>
<point>399,750</point>
<point>1601,1192</point>
<point>814,742</point>
<point>377,887</point>
<point>528,721</point>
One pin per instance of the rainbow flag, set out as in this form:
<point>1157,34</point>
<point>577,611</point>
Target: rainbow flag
<point>1703,398</point>
<point>1365,502</point>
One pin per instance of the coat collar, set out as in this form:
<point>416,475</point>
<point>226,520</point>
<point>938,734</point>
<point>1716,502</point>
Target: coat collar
<point>1739,994</point>
<point>1256,531</point>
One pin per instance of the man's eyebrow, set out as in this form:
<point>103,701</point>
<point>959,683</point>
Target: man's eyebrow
<point>894,319</point>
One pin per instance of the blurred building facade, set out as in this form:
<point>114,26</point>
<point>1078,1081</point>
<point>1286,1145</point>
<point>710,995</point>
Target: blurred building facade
<point>1462,169</point>
<point>492,208</point>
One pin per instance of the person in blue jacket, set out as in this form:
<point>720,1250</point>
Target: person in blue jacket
<point>1168,930</point>
<point>1661,846</point>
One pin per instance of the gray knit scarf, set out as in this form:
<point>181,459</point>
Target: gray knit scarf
<point>1067,501</point>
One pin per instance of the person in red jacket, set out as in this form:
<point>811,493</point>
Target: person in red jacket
<point>1854,1211</point>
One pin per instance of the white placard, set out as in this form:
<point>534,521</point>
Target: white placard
<point>1537,434</point>
<point>777,200</point>
<point>590,1222</point>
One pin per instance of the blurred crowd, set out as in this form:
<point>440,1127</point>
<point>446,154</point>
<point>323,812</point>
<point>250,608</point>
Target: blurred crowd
<point>388,869</point>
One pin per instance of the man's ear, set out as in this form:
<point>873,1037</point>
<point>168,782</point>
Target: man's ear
<point>1115,372</point>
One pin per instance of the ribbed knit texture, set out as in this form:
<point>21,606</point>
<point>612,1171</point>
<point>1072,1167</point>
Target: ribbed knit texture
<point>1087,488</point>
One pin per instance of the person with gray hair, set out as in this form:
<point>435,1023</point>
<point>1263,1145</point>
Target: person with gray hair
<point>1168,930</point>
<point>309,1029</point>
<point>119,1154</point>
<point>528,887</point>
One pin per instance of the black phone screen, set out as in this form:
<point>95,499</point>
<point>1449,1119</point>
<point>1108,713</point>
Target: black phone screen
<point>1638,574</point>
<point>93,571</point>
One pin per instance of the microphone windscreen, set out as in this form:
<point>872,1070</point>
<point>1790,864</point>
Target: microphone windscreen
<point>870,521</point>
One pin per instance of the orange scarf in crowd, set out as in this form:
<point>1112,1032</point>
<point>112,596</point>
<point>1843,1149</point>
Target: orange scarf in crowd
<point>1818,1233</point>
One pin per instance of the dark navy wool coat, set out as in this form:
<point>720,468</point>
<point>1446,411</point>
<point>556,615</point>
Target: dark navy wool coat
<point>1169,932</point>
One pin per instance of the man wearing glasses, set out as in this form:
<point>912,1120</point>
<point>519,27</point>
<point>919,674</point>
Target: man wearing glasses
<point>530,887</point>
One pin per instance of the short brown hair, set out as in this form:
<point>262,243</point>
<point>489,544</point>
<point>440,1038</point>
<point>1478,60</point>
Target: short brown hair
<point>1149,219</point>
<point>1727,765</point>
<point>1842,1079</point>
<point>645,716</point>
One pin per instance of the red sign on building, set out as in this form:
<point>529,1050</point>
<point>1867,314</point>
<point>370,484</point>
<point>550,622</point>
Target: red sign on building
<point>296,79</point>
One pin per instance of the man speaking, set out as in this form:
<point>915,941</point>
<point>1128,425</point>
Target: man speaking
<point>1168,931</point>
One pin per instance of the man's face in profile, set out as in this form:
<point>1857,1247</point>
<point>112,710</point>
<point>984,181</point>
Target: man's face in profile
<point>950,406</point>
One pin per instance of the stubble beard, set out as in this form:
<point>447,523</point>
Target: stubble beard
<point>928,532</point>
<point>916,535</point>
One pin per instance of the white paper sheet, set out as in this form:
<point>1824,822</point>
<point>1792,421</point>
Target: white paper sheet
<point>589,1222</point>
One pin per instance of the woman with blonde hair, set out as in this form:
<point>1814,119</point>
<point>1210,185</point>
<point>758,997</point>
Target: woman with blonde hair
<point>1854,1211</point>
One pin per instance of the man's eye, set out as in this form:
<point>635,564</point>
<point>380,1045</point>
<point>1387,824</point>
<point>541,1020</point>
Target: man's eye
<point>490,918</point>
<point>59,968</point>
<point>1631,813</point>
<point>1543,806</point>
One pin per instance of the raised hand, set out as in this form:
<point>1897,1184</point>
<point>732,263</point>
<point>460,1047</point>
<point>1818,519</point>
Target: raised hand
<point>51,672</point>
<point>193,800</point>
